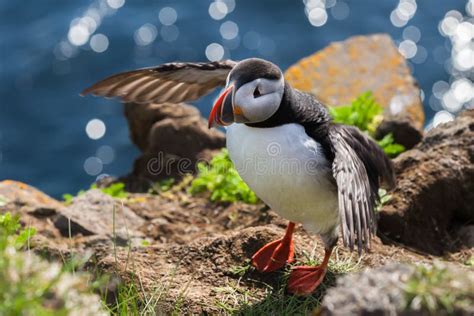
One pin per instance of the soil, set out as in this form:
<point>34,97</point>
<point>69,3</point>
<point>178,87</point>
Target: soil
<point>190,251</point>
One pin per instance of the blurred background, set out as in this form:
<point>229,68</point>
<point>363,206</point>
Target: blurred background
<point>53,139</point>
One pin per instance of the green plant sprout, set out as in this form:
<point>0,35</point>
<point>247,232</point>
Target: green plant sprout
<point>115,190</point>
<point>30,285</point>
<point>438,290</point>
<point>366,114</point>
<point>222,180</point>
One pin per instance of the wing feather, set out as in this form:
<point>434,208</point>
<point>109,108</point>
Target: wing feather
<point>172,82</point>
<point>359,165</point>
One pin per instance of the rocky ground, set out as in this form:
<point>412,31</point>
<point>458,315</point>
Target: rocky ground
<point>195,253</point>
<point>188,255</point>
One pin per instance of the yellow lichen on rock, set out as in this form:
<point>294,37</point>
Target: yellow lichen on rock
<point>340,72</point>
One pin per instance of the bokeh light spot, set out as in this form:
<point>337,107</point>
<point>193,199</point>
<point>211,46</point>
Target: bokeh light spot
<point>463,90</point>
<point>214,52</point>
<point>168,16</point>
<point>317,17</point>
<point>412,33</point>
<point>93,166</point>
<point>99,43</point>
<point>229,30</point>
<point>407,48</point>
<point>95,129</point>
<point>340,11</point>
<point>442,117</point>
<point>145,35</point>
<point>106,154</point>
<point>218,10</point>
<point>115,4</point>
<point>229,3</point>
<point>78,35</point>
<point>470,7</point>
<point>439,88</point>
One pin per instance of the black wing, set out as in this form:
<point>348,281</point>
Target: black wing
<point>359,165</point>
<point>173,82</point>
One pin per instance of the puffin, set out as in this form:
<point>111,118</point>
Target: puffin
<point>284,145</point>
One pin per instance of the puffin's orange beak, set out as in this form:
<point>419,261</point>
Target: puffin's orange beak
<point>222,111</point>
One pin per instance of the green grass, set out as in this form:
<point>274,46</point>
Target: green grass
<point>384,197</point>
<point>222,181</point>
<point>162,186</point>
<point>363,112</point>
<point>366,114</point>
<point>470,261</point>
<point>115,190</point>
<point>240,301</point>
<point>30,285</point>
<point>131,298</point>
<point>438,289</point>
<point>389,146</point>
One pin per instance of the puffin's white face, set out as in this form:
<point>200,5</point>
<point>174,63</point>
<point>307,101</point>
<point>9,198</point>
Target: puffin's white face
<point>257,100</point>
<point>253,93</point>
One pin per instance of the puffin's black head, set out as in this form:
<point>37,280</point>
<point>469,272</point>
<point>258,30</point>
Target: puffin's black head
<point>253,93</point>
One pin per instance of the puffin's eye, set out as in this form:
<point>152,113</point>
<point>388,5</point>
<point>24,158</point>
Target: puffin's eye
<point>256,93</point>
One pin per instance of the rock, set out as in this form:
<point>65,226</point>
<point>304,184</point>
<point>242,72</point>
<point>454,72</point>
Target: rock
<point>466,234</point>
<point>376,291</point>
<point>435,191</point>
<point>172,137</point>
<point>402,289</point>
<point>22,194</point>
<point>95,213</point>
<point>35,208</point>
<point>343,70</point>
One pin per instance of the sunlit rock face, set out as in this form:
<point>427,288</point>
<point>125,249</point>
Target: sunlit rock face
<point>339,73</point>
<point>431,208</point>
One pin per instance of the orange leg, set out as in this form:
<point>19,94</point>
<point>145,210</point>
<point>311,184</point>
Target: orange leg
<point>305,279</point>
<point>276,254</point>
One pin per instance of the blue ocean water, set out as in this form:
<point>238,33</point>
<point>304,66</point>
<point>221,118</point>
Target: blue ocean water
<point>43,141</point>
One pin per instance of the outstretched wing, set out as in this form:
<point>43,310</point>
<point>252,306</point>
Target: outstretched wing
<point>359,165</point>
<point>172,82</point>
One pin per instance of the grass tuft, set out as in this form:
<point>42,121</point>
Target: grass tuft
<point>438,289</point>
<point>240,301</point>
<point>366,114</point>
<point>363,112</point>
<point>30,285</point>
<point>222,181</point>
<point>115,190</point>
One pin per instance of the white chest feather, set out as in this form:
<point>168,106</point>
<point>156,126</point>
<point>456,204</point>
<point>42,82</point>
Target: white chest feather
<point>288,170</point>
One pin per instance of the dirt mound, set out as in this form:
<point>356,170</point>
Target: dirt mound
<point>434,198</point>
